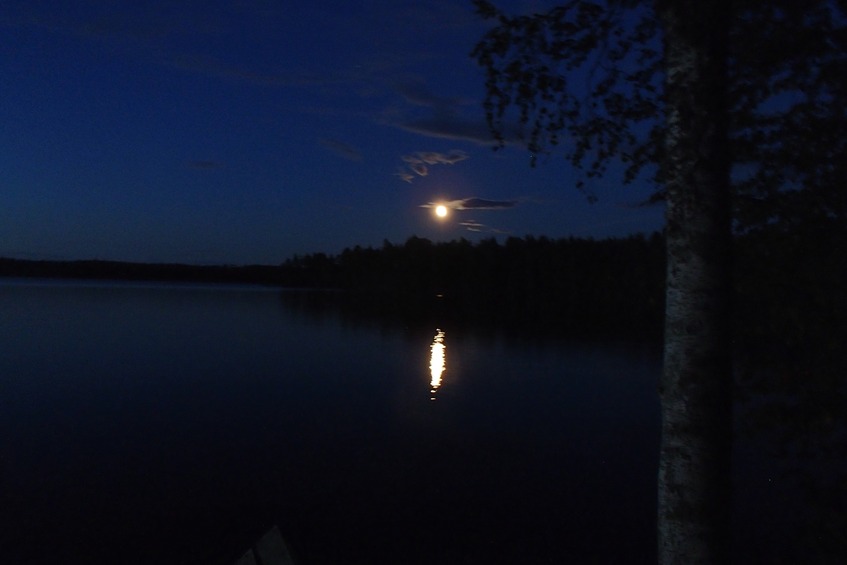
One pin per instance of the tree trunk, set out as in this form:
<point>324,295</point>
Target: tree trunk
<point>696,385</point>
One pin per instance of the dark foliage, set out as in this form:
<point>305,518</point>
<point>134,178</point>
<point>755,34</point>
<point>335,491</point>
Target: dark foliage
<point>792,321</point>
<point>124,271</point>
<point>586,80</point>
<point>566,285</point>
<point>788,85</point>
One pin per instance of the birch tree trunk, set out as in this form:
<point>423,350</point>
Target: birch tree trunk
<point>696,384</point>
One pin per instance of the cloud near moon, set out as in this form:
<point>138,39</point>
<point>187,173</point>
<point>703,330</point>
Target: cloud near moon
<point>472,225</point>
<point>420,162</point>
<point>474,203</point>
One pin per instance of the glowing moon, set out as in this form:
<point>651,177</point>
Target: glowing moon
<point>441,211</point>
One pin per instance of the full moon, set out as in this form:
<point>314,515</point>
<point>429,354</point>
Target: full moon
<point>441,211</point>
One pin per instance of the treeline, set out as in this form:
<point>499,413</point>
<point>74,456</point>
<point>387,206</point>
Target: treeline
<point>789,295</point>
<point>790,282</point>
<point>124,271</point>
<point>569,284</point>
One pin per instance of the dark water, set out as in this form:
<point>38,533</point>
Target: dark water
<point>153,424</point>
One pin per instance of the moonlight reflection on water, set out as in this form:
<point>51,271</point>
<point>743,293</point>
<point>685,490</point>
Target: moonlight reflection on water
<point>184,420</point>
<point>436,362</point>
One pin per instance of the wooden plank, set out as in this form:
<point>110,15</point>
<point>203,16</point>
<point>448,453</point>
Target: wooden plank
<point>271,549</point>
<point>247,559</point>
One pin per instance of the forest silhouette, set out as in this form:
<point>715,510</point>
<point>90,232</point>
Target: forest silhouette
<point>787,299</point>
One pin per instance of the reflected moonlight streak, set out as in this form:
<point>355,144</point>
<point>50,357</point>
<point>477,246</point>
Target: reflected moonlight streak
<point>436,362</point>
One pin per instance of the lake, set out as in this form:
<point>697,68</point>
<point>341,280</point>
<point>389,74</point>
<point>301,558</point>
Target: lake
<point>145,423</point>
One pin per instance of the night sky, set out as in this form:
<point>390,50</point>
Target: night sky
<point>246,131</point>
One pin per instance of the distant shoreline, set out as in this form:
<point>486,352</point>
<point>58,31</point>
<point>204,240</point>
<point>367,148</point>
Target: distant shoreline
<point>100,270</point>
<point>537,281</point>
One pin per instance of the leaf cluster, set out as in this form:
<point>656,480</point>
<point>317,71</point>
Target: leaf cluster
<point>586,78</point>
<point>788,85</point>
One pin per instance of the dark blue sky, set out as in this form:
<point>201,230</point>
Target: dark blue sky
<point>249,130</point>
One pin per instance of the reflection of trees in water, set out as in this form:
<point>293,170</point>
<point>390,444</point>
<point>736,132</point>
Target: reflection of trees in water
<point>535,284</point>
<point>437,362</point>
<point>387,312</point>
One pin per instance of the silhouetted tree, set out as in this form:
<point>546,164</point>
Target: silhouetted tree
<point>681,91</point>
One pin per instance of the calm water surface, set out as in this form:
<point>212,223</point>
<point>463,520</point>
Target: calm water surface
<point>168,424</point>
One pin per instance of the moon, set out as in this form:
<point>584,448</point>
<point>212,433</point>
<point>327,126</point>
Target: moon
<point>441,211</point>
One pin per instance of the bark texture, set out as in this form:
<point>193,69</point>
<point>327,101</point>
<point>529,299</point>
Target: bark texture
<point>694,467</point>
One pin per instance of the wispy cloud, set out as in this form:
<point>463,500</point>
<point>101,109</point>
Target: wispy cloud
<point>474,203</point>
<point>474,226</point>
<point>405,175</point>
<point>419,168</point>
<point>342,149</point>
<point>444,117</point>
<point>435,158</point>
<point>417,92</point>
<point>420,162</point>
<point>451,127</point>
